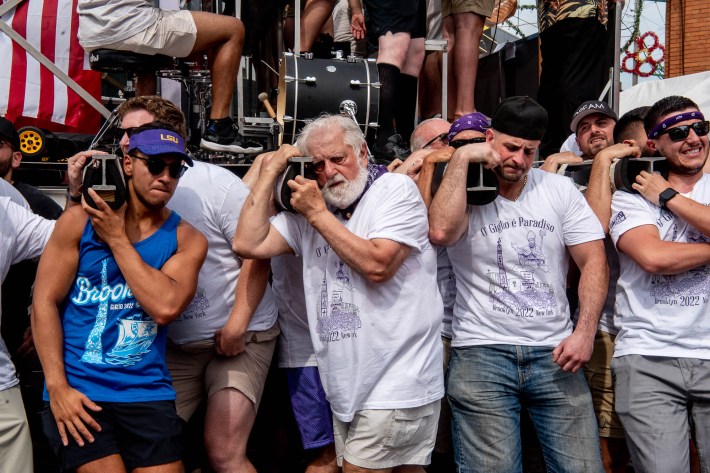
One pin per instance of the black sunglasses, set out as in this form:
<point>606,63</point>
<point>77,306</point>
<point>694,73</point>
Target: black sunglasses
<point>443,137</point>
<point>679,133</point>
<point>156,166</point>
<point>459,143</point>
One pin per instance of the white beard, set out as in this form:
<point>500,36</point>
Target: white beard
<point>345,194</point>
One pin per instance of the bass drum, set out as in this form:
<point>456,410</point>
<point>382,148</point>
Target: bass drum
<point>310,87</point>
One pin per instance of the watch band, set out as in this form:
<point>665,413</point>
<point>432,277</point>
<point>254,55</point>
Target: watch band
<point>665,196</point>
<point>73,198</point>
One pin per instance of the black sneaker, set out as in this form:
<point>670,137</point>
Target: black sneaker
<point>223,135</point>
<point>394,148</point>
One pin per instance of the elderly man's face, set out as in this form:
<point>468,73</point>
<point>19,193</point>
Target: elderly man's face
<point>340,174</point>
<point>686,156</point>
<point>594,133</point>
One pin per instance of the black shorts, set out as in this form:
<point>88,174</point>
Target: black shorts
<point>396,16</point>
<point>143,433</point>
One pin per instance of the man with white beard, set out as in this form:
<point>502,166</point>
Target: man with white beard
<point>369,275</point>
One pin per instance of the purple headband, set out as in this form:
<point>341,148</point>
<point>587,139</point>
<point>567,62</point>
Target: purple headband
<point>473,121</point>
<point>656,130</point>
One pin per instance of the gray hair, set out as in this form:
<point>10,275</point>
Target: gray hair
<point>352,136</point>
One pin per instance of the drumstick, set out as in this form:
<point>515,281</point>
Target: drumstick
<point>265,100</point>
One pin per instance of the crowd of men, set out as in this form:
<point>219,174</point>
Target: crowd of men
<point>416,323</point>
<point>421,313</point>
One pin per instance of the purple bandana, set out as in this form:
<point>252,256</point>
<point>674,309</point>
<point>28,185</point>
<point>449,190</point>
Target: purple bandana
<point>374,172</point>
<point>656,130</point>
<point>473,121</point>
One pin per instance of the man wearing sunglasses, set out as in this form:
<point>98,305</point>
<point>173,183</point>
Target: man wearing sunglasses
<point>108,284</point>
<point>661,358</point>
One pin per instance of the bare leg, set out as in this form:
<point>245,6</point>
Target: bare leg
<point>174,467</point>
<point>393,49</point>
<point>325,462</point>
<point>313,17</point>
<point>223,37</point>
<point>451,83</point>
<point>109,464</point>
<point>468,28</point>
<point>228,422</point>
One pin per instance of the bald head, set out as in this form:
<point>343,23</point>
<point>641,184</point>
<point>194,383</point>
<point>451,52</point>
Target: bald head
<point>427,131</point>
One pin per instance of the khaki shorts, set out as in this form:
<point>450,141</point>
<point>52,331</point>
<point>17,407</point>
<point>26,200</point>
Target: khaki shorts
<point>196,369</point>
<point>481,7</point>
<point>174,34</point>
<point>386,438</point>
<point>598,374</point>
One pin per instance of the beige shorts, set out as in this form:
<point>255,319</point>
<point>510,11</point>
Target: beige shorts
<point>174,34</point>
<point>196,369</point>
<point>598,374</point>
<point>386,438</point>
<point>481,7</point>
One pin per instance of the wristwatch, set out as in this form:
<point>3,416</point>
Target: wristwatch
<point>665,196</point>
<point>73,198</point>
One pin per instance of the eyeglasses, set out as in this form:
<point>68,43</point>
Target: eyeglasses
<point>157,165</point>
<point>5,143</point>
<point>459,143</point>
<point>679,133</point>
<point>442,137</point>
<point>128,131</point>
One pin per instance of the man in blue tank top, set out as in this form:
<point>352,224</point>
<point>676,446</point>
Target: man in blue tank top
<point>108,283</point>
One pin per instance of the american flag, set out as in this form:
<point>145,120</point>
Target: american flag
<point>29,92</point>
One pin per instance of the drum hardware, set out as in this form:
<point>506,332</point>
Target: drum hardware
<point>104,174</point>
<point>578,172</point>
<point>297,166</point>
<point>623,172</point>
<point>348,108</point>
<point>482,185</point>
<point>352,58</point>
<point>310,87</point>
<point>264,130</point>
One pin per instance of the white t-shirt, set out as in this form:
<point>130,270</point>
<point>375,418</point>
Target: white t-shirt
<point>657,314</point>
<point>23,235</point>
<point>295,345</point>
<point>109,21</point>
<point>511,264</point>
<point>8,190</point>
<point>447,288</point>
<point>211,199</point>
<point>378,345</point>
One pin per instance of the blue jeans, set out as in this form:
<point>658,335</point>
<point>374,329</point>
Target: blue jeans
<point>487,386</point>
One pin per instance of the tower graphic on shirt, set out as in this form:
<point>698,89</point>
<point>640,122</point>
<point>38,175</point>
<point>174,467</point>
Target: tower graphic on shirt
<point>338,319</point>
<point>93,348</point>
<point>517,292</point>
<point>136,332</point>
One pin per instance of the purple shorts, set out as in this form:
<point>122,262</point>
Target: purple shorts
<point>310,407</point>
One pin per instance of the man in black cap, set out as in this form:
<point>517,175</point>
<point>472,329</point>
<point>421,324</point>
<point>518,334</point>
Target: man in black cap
<point>513,341</point>
<point>108,283</point>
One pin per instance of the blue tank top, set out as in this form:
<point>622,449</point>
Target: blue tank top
<point>113,350</point>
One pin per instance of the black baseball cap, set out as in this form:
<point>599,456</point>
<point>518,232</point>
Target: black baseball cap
<point>7,131</point>
<point>588,108</point>
<point>521,117</point>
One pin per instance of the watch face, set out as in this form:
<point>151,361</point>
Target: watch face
<point>665,196</point>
